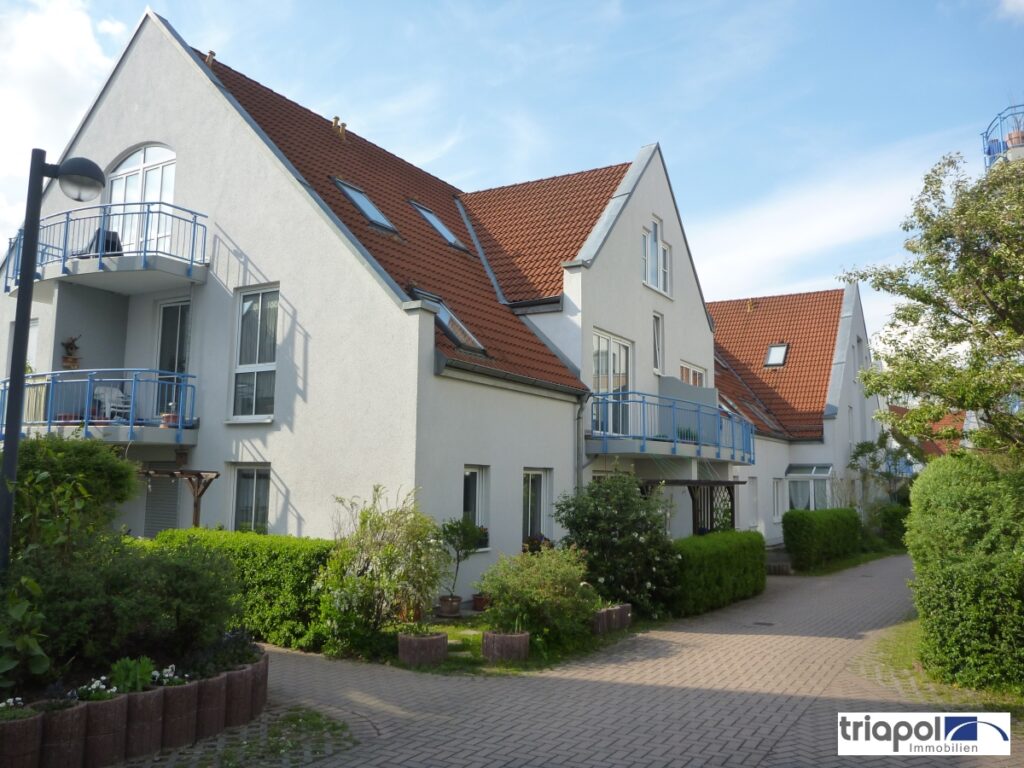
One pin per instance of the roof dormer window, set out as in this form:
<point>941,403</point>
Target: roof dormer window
<point>454,328</point>
<point>776,356</point>
<point>438,225</point>
<point>365,205</point>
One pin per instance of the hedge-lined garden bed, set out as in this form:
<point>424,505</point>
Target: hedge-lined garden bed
<point>277,579</point>
<point>718,569</point>
<point>813,538</point>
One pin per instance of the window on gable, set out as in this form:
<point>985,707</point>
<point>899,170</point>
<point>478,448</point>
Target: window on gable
<point>454,328</point>
<point>362,201</point>
<point>776,355</point>
<point>256,361</point>
<point>692,374</point>
<point>656,257</point>
<point>659,343</point>
<point>439,225</point>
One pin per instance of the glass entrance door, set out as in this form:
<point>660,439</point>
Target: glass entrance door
<point>612,378</point>
<point>172,349</point>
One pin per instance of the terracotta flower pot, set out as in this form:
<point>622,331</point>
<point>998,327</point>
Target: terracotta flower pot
<point>210,706</point>
<point>20,741</point>
<point>238,697</point>
<point>145,723</point>
<point>63,743</point>
<point>449,606</point>
<point>499,646</point>
<point>480,602</point>
<point>259,684</point>
<point>1015,138</point>
<point>105,731</point>
<point>180,703</point>
<point>422,650</point>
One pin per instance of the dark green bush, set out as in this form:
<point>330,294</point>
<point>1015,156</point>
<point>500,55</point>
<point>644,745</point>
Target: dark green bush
<point>814,538</point>
<point>276,576</point>
<point>965,534</point>
<point>718,569</point>
<point>628,553</point>
<point>890,522</point>
<point>542,593</point>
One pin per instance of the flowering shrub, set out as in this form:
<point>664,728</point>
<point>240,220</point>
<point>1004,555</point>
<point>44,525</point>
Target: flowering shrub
<point>169,676</point>
<point>542,593</point>
<point>629,556</point>
<point>391,562</point>
<point>97,690</point>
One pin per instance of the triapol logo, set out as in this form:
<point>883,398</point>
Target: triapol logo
<point>924,733</point>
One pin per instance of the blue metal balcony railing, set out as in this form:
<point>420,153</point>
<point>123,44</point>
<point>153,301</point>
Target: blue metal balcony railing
<point>102,231</point>
<point>128,397</point>
<point>1005,132</point>
<point>645,417</point>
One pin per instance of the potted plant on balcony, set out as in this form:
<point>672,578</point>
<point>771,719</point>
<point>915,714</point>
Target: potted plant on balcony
<point>70,360</point>
<point>462,538</point>
<point>169,418</point>
<point>1015,138</point>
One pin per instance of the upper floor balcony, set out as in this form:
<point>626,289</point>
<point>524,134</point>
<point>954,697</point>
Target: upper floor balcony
<point>125,248</point>
<point>1004,137</point>
<point>118,405</point>
<point>643,423</point>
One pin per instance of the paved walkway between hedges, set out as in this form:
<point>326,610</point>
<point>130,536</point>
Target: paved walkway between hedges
<point>755,684</point>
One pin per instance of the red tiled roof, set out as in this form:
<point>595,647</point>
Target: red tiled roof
<point>734,392</point>
<point>527,230</point>
<point>939,446</point>
<point>416,255</point>
<point>795,392</point>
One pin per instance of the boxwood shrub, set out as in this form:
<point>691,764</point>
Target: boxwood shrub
<point>965,535</point>
<point>717,569</point>
<point>276,575</point>
<point>813,538</point>
<point>890,522</point>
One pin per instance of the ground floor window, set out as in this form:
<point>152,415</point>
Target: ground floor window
<point>778,501</point>
<point>252,498</point>
<point>809,486</point>
<point>534,503</point>
<point>474,500</point>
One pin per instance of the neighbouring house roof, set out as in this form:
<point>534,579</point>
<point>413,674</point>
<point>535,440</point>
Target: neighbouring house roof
<point>735,394</point>
<point>938,446</point>
<point>528,230</point>
<point>415,256</point>
<point>795,392</point>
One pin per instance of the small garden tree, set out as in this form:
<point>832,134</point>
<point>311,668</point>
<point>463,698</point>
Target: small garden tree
<point>885,462</point>
<point>622,534</point>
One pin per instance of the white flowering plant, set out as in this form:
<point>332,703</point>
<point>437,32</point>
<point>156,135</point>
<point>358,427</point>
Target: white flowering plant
<point>98,689</point>
<point>169,676</point>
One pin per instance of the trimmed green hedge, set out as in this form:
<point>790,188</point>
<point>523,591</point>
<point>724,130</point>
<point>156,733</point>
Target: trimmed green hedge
<point>277,576</point>
<point>965,534</point>
<point>890,522</point>
<point>814,538</point>
<point>717,569</point>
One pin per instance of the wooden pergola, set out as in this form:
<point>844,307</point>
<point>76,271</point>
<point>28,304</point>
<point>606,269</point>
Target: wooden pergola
<point>709,498</point>
<point>198,481</point>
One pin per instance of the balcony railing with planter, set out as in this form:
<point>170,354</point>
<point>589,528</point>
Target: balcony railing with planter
<point>105,231</point>
<point>118,397</point>
<point>650,418</point>
<point>1005,134</point>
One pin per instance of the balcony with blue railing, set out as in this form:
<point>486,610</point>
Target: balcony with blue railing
<point>123,247</point>
<point>1004,137</point>
<point>114,404</point>
<point>642,423</point>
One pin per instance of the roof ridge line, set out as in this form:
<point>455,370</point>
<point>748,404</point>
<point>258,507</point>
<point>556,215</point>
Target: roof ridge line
<point>546,178</point>
<point>779,295</point>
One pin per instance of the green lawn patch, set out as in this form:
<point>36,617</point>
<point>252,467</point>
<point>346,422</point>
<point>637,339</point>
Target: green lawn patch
<point>834,566</point>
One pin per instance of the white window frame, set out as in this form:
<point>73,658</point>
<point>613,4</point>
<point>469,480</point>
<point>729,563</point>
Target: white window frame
<point>651,239</point>
<point>545,500</point>
<point>690,374</point>
<point>439,226</point>
<point>658,329</point>
<point>769,361</point>
<point>778,503</point>
<point>257,470</point>
<point>810,477</point>
<point>482,496</point>
<point>257,367</point>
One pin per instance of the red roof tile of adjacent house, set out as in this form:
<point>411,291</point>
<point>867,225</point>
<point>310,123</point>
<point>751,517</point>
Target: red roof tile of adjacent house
<point>528,230</point>
<point>808,323</point>
<point>939,446</point>
<point>735,394</point>
<point>415,255</point>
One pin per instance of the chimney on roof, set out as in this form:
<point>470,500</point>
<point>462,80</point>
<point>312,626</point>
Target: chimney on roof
<point>210,55</point>
<point>750,306</point>
<point>339,127</point>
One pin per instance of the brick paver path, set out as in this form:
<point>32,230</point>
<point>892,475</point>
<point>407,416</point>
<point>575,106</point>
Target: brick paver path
<point>755,684</point>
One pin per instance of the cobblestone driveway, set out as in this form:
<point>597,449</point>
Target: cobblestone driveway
<point>756,684</point>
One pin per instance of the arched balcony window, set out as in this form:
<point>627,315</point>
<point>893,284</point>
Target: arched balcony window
<point>137,187</point>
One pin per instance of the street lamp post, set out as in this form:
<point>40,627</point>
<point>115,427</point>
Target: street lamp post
<point>81,180</point>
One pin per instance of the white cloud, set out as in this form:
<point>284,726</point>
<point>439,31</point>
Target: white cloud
<point>1013,9</point>
<point>52,66</point>
<point>112,28</point>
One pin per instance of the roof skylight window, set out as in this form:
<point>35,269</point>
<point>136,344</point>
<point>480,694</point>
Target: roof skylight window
<point>437,224</point>
<point>776,356</point>
<point>362,201</point>
<point>454,328</point>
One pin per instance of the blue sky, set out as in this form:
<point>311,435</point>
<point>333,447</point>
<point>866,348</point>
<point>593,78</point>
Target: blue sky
<point>795,132</point>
